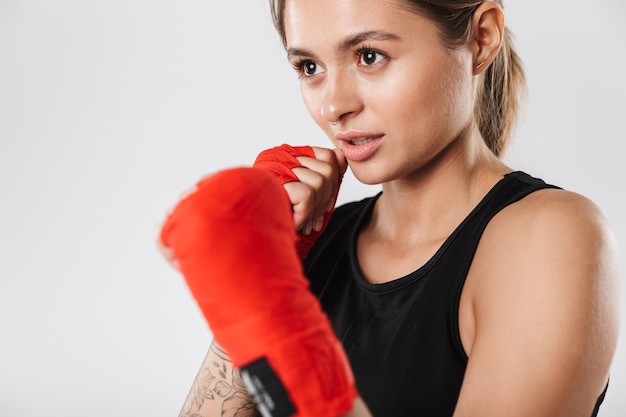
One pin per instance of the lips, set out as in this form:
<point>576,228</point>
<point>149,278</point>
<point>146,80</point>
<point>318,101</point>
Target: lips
<point>359,142</point>
<point>359,146</point>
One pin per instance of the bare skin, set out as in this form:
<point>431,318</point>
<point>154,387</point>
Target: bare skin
<point>219,391</point>
<point>539,312</point>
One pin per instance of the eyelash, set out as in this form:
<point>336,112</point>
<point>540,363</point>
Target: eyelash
<point>299,67</point>
<point>300,64</point>
<point>360,53</point>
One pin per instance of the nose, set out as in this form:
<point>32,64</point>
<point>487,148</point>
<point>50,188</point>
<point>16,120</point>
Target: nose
<point>340,98</point>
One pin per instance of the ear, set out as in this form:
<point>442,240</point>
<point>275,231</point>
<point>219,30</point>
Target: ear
<point>487,34</point>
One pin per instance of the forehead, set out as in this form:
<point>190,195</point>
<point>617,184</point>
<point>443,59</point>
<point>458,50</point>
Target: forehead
<point>309,21</point>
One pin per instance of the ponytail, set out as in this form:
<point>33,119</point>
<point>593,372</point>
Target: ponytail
<point>499,100</point>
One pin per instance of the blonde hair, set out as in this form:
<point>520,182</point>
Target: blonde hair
<point>504,83</point>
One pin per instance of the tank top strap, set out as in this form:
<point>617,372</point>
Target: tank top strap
<point>455,260</point>
<point>511,188</point>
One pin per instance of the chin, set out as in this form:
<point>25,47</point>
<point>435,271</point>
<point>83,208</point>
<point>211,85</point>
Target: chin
<point>368,176</point>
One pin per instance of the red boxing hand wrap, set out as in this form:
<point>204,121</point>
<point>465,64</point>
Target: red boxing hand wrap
<point>281,160</point>
<point>233,239</point>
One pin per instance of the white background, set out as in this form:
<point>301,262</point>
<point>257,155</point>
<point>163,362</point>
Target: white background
<point>110,109</point>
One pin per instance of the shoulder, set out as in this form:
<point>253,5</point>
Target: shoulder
<point>550,243</point>
<point>565,221</point>
<point>543,290</point>
<point>553,236</point>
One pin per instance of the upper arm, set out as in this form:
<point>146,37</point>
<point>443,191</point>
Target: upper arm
<point>543,291</point>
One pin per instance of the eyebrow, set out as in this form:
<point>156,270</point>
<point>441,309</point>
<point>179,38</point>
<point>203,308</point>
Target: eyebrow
<point>348,43</point>
<point>371,35</point>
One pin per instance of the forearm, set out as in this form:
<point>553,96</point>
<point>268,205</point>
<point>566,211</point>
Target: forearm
<point>218,390</point>
<point>260,310</point>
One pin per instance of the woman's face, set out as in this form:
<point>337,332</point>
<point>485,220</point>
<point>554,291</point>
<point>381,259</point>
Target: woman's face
<point>401,97</point>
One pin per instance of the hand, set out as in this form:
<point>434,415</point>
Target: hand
<point>315,193</point>
<point>245,213</point>
<point>313,196</point>
<point>164,250</point>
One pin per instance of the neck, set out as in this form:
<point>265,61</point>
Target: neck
<point>428,205</point>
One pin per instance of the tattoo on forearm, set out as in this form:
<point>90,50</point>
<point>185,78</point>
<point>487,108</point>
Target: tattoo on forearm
<point>218,382</point>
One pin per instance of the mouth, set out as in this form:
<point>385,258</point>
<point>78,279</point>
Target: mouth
<point>358,142</point>
<point>356,137</point>
<point>359,146</point>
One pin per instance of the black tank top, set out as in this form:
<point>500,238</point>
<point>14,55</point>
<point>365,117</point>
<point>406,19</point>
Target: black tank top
<point>402,337</point>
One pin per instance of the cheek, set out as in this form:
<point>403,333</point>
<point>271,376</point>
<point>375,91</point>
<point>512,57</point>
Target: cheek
<point>437,100</point>
<point>312,104</point>
<point>456,86</point>
<point>400,100</point>
<point>458,102</point>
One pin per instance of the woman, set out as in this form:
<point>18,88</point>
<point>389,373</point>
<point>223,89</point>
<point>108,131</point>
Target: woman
<point>465,288</point>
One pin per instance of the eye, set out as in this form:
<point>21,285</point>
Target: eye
<point>307,68</point>
<point>369,57</point>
